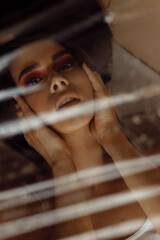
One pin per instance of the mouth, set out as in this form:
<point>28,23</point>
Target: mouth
<point>67,100</point>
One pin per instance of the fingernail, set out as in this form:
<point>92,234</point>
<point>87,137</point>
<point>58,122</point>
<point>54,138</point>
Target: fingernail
<point>16,97</point>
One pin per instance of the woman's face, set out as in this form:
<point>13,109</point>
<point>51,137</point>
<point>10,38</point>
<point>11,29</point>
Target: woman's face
<point>65,84</point>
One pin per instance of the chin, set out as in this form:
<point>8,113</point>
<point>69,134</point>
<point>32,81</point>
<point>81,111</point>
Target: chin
<point>71,125</point>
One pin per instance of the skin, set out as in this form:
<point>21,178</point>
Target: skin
<point>74,80</point>
<point>76,144</point>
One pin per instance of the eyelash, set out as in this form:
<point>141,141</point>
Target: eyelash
<point>64,64</point>
<point>34,78</point>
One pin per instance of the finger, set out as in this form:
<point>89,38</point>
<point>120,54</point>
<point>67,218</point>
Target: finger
<point>17,107</point>
<point>23,106</point>
<point>95,78</point>
<point>25,111</point>
<point>18,110</point>
<point>28,121</point>
<point>19,113</point>
<point>92,128</point>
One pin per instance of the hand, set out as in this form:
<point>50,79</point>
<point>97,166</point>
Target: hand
<point>105,121</point>
<point>46,142</point>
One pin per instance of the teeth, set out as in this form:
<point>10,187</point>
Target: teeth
<point>66,101</point>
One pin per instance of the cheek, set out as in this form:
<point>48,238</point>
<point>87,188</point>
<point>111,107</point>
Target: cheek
<point>87,86</point>
<point>36,102</point>
<point>83,82</point>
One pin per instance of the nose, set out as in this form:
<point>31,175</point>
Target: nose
<point>58,83</point>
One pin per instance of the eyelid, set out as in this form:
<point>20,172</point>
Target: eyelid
<point>61,61</point>
<point>34,73</point>
<point>64,57</point>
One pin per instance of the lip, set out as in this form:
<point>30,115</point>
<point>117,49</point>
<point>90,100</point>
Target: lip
<point>64,97</point>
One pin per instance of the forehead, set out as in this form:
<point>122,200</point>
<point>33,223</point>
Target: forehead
<point>35,52</point>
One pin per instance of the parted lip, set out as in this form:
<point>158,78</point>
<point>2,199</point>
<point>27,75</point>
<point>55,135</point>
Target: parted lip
<point>65,96</point>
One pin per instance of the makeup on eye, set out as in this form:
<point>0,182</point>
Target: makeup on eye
<point>65,62</point>
<point>35,76</point>
<point>32,78</point>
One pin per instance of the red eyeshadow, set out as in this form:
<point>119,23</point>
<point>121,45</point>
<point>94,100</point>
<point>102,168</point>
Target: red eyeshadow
<point>30,75</point>
<point>61,61</point>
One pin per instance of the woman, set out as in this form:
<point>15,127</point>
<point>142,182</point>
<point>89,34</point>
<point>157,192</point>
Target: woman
<point>76,144</point>
<point>79,143</point>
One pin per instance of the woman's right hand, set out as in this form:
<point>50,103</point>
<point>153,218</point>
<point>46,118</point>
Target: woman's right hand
<point>56,153</point>
<point>46,142</point>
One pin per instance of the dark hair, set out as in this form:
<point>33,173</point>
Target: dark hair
<point>92,44</point>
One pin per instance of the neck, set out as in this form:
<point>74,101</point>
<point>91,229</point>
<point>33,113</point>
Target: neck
<point>85,150</point>
<point>79,139</point>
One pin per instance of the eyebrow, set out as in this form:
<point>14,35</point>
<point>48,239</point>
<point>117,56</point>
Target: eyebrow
<point>34,66</point>
<point>59,55</point>
<point>28,69</point>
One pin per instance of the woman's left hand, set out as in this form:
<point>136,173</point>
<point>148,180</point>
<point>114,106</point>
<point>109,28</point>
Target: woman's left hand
<point>105,121</point>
